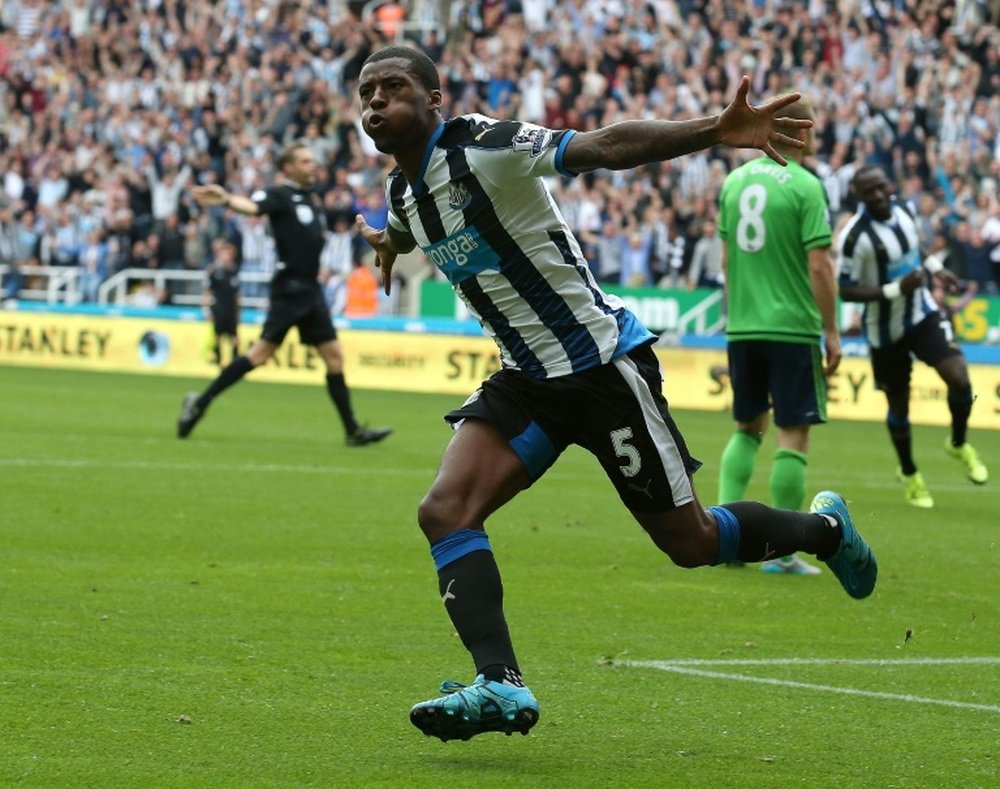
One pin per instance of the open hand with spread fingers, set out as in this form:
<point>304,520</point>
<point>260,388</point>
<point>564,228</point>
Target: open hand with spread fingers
<point>743,125</point>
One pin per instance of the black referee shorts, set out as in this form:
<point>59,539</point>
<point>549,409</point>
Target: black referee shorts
<point>298,304</point>
<point>616,411</point>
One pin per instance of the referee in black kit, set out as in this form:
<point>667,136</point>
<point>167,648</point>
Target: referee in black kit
<point>296,297</point>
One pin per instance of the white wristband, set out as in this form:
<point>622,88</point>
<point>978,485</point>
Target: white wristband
<point>891,290</point>
<point>933,264</point>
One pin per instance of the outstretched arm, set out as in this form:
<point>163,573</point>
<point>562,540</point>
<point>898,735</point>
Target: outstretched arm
<point>217,195</point>
<point>628,144</point>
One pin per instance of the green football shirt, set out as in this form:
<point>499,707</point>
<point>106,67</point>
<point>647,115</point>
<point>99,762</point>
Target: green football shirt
<point>769,218</point>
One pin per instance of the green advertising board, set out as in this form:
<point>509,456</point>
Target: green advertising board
<point>701,312</point>
<point>682,311</point>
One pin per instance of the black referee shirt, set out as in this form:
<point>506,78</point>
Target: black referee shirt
<point>297,225</point>
<point>224,285</point>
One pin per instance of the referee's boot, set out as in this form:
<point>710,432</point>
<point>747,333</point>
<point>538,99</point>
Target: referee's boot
<point>367,435</point>
<point>191,412</point>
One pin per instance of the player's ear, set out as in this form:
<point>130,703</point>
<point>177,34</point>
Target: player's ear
<point>434,100</point>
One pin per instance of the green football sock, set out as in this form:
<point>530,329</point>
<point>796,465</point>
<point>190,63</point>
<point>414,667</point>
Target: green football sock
<point>788,480</point>
<point>737,465</point>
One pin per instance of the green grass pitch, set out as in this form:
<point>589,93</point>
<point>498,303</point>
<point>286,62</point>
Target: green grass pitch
<point>255,606</point>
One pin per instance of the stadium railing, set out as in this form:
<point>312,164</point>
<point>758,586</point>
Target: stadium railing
<point>62,285</point>
<point>116,288</point>
<point>51,284</point>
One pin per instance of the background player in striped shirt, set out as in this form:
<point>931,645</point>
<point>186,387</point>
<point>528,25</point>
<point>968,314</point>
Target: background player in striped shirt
<point>577,366</point>
<point>881,265</point>
<point>782,299</point>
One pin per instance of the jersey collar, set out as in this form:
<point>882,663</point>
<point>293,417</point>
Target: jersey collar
<point>418,187</point>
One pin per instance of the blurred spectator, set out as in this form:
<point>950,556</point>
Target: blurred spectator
<point>26,238</point>
<point>610,252</point>
<point>388,18</point>
<point>142,256</point>
<point>170,248</point>
<point>196,245</point>
<point>706,260</point>
<point>93,264</point>
<point>14,185</point>
<point>257,253</point>
<point>362,292</point>
<point>11,283</point>
<point>337,260</point>
<point>165,191</point>
<point>53,187</point>
<point>674,252</point>
<point>978,265</point>
<point>637,253</point>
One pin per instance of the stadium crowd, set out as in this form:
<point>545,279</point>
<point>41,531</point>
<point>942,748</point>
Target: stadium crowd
<point>110,111</point>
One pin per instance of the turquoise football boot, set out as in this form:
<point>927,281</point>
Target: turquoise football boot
<point>467,710</point>
<point>853,563</point>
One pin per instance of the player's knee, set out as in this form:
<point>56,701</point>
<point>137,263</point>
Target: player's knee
<point>259,355</point>
<point>439,515</point>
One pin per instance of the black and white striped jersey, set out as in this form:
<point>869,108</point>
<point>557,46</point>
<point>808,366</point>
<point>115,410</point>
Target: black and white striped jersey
<point>873,253</point>
<point>483,214</point>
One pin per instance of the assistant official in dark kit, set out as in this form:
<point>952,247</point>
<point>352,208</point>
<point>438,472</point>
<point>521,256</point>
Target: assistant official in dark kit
<point>295,293</point>
<point>221,299</point>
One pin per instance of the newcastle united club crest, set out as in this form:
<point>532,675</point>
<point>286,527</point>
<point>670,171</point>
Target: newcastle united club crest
<point>458,196</point>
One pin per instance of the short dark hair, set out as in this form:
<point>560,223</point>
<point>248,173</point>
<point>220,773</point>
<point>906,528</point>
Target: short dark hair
<point>288,152</point>
<point>862,171</point>
<point>421,65</point>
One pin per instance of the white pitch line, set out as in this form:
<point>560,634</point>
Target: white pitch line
<point>683,667</point>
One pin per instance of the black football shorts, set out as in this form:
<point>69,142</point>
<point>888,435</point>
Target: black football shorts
<point>615,411</point>
<point>930,341</point>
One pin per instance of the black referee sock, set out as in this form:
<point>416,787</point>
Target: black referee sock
<point>232,373</point>
<point>472,593</point>
<point>337,387</point>
<point>766,532</point>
